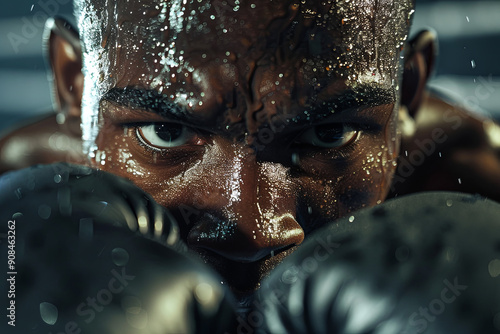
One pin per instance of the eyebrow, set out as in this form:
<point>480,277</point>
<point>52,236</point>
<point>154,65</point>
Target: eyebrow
<point>151,101</point>
<point>369,94</point>
<point>362,95</point>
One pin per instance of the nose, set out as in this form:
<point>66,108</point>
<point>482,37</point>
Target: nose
<point>253,216</point>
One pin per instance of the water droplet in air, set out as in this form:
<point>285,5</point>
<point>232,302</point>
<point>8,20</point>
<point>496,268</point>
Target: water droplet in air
<point>473,63</point>
<point>402,253</point>
<point>138,320</point>
<point>44,211</point>
<point>204,293</point>
<point>351,219</point>
<point>451,254</point>
<point>120,256</point>
<point>494,268</point>
<point>49,313</point>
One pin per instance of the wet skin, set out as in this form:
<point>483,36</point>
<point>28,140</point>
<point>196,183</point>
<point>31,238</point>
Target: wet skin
<point>255,123</point>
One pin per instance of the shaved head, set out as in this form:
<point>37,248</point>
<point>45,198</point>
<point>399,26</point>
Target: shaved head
<point>163,41</point>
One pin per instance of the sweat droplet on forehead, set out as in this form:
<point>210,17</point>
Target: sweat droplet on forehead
<point>206,54</point>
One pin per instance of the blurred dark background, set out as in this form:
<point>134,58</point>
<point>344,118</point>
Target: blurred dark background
<point>469,38</point>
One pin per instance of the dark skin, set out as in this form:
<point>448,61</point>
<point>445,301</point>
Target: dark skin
<point>467,160</point>
<point>42,141</point>
<point>243,196</point>
<point>256,128</point>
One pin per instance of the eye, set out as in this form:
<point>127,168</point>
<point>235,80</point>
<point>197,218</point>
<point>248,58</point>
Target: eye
<point>328,135</point>
<point>165,135</point>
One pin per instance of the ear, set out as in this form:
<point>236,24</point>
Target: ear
<point>420,55</point>
<point>65,56</point>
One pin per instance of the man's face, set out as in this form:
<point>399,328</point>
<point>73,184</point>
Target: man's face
<point>254,121</point>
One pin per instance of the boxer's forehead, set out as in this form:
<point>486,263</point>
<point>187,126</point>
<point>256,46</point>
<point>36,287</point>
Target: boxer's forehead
<point>220,55</point>
<point>359,34</point>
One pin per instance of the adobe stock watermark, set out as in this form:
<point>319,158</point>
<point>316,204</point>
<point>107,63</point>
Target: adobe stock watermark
<point>33,24</point>
<point>325,248</point>
<point>426,147</point>
<point>192,213</point>
<point>485,89</point>
<point>420,319</point>
<point>88,309</point>
<point>256,318</point>
<point>266,135</point>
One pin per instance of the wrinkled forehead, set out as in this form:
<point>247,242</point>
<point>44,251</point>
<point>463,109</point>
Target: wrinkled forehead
<point>238,58</point>
<point>349,37</point>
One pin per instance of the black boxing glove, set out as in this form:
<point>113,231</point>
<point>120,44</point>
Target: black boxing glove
<point>422,263</point>
<point>83,260</point>
<point>86,196</point>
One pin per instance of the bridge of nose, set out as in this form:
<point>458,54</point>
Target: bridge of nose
<point>258,215</point>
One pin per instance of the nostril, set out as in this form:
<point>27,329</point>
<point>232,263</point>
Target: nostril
<point>246,241</point>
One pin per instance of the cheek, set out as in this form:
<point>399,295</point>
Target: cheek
<point>115,153</point>
<point>172,181</point>
<point>369,180</point>
<point>360,181</point>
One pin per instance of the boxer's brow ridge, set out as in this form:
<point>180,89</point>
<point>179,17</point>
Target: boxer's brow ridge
<point>150,101</point>
<point>363,95</point>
